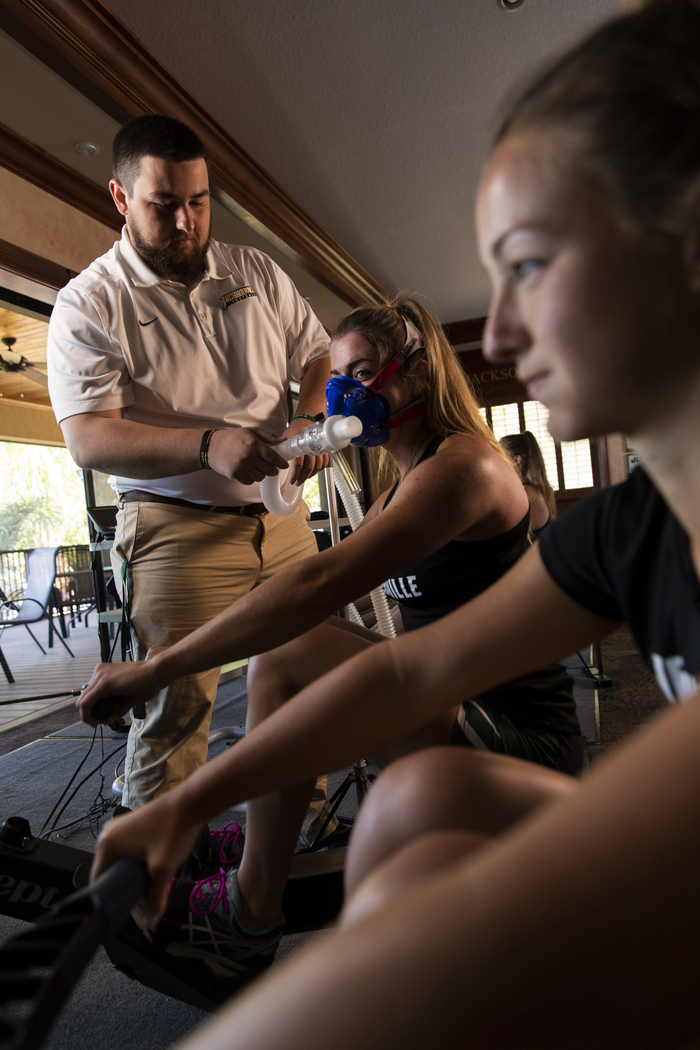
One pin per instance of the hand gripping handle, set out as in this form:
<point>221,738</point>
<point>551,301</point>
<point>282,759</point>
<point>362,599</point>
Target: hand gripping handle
<point>105,707</point>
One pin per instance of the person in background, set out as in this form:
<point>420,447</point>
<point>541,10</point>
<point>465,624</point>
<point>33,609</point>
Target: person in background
<point>526,454</point>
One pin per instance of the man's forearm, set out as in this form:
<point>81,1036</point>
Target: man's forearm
<point>312,388</point>
<point>119,446</point>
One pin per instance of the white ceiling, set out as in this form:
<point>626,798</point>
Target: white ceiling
<point>375,114</point>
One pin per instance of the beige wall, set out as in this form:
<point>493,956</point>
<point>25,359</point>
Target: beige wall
<point>617,460</point>
<point>33,424</point>
<point>34,220</point>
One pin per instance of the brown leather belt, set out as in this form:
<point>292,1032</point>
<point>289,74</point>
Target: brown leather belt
<point>249,510</point>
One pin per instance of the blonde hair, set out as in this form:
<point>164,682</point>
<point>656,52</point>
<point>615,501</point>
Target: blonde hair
<point>451,405</point>
<point>533,471</point>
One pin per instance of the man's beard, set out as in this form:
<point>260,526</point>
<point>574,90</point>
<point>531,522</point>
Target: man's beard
<point>171,262</point>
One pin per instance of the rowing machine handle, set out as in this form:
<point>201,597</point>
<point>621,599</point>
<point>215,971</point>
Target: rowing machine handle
<point>117,890</point>
<point>105,707</point>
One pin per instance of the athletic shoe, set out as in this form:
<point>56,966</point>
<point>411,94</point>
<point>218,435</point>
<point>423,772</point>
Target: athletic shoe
<point>213,934</point>
<point>224,847</point>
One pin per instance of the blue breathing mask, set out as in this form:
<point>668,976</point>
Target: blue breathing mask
<point>348,397</point>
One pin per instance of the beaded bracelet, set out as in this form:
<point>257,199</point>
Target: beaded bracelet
<point>204,449</point>
<point>302,415</point>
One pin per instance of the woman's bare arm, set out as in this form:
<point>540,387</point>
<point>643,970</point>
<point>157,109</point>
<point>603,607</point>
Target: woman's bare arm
<point>436,503</point>
<point>384,694</point>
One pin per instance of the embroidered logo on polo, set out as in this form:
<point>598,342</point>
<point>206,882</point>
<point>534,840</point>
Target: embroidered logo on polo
<point>144,324</point>
<point>236,296</point>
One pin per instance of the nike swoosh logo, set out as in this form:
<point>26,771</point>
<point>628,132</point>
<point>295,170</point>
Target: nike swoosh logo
<point>144,323</point>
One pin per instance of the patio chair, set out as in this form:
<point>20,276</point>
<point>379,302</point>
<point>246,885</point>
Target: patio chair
<point>35,604</point>
<point>3,662</point>
<point>74,590</point>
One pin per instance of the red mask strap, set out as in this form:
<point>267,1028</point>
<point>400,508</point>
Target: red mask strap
<point>391,367</point>
<point>410,412</point>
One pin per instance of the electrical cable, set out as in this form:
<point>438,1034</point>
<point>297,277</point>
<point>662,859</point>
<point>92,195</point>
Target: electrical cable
<point>43,833</point>
<point>67,787</point>
<point>114,645</point>
<point>77,789</point>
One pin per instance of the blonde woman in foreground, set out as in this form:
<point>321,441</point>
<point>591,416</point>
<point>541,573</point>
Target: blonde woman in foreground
<point>589,225</point>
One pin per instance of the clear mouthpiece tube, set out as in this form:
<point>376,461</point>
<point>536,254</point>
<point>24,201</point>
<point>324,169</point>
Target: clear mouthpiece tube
<point>328,435</point>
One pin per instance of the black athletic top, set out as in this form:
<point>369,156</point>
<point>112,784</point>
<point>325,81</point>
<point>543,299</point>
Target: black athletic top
<point>622,554</point>
<point>437,585</point>
<point>543,528</point>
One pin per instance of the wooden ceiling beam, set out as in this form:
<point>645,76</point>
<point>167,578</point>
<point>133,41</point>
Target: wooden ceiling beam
<point>33,267</point>
<point>88,46</point>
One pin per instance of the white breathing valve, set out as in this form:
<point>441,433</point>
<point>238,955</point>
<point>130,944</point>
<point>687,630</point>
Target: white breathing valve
<point>328,435</point>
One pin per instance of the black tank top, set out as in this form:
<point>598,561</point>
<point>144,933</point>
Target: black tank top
<point>437,585</point>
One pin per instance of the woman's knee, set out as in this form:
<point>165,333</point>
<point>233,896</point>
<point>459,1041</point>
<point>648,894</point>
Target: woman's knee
<point>280,672</point>
<point>421,857</point>
<point>291,667</point>
<point>447,787</point>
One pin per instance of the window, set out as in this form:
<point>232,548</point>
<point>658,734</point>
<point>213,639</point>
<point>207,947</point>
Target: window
<point>568,463</point>
<point>576,460</point>
<point>535,417</point>
<point>505,419</point>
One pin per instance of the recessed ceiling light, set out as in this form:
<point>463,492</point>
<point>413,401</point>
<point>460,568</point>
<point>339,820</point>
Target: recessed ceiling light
<point>510,5</point>
<point>88,149</point>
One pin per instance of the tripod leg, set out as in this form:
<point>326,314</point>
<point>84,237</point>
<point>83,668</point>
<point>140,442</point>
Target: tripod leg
<point>363,779</point>
<point>333,802</point>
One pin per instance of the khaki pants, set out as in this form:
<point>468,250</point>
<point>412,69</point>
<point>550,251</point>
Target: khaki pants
<point>184,567</point>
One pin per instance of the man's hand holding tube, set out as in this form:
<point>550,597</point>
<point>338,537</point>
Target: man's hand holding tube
<point>300,470</point>
<point>248,455</point>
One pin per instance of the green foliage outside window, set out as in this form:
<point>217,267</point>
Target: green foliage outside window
<point>311,494</point>
<point>42,502</point>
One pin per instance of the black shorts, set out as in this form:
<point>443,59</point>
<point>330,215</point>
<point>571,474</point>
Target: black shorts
<point>482,726</point>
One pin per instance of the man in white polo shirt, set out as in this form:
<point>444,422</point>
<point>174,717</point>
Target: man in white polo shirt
<point>169,362</point>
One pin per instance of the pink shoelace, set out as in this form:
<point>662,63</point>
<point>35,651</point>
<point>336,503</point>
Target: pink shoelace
<point>231,844</point>
<point>199,896</point>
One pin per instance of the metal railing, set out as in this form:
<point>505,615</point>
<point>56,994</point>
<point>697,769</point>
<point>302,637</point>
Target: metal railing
<point>73,587</point>
<point>13,572</point>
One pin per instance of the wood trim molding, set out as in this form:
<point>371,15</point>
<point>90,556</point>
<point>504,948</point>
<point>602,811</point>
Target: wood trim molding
<point>119,74</point>
<point>21,157</point>
<point>33,267</point>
